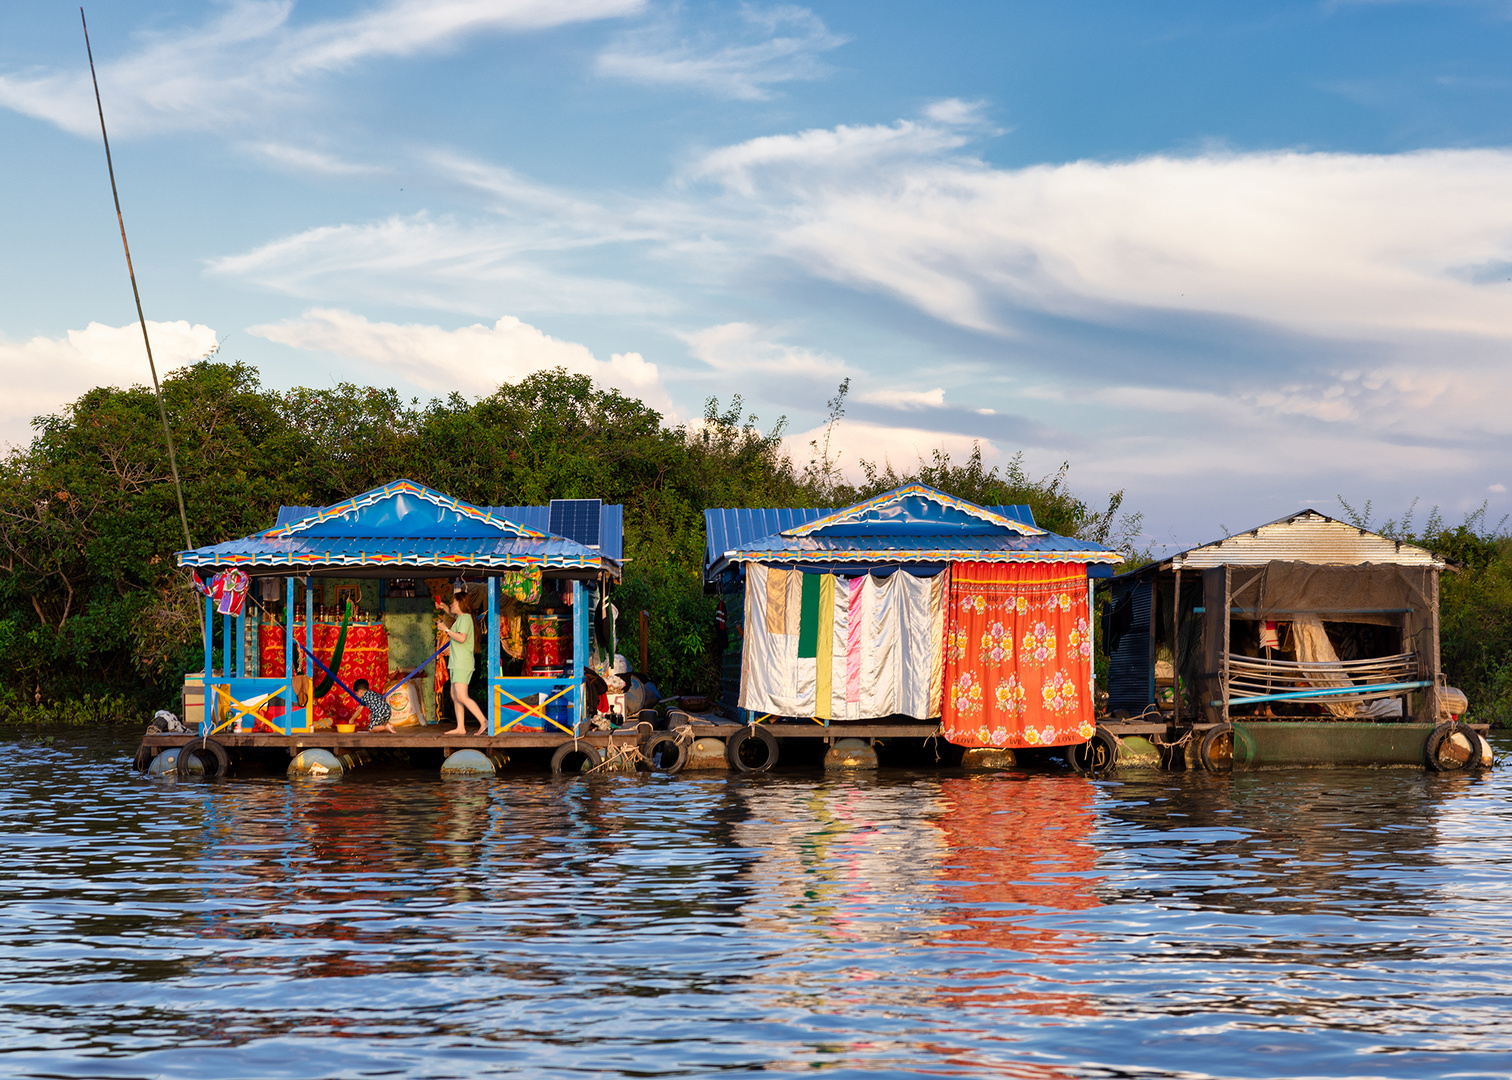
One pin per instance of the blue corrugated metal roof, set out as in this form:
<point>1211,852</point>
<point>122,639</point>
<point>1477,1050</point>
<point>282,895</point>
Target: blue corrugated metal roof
<point>1020,512</point>
<point>611,523</point>
<point>405,525</point>
<point>931,548</point>
<point>738,534</point>
<point>287,514</point>
<point>726,530</point>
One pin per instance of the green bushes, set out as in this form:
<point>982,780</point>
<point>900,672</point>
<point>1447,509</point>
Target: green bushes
<point>85,711</point>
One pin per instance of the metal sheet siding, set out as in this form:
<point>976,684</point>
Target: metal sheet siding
<point>286,514</point>
<point>1020,512</point>
<point>727,530</point>
<point>1309,538</point>
<point>729,663</point>
<point>612,532</point>
<point>1129,672</point>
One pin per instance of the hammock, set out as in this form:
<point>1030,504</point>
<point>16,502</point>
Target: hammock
<point>323,687</point>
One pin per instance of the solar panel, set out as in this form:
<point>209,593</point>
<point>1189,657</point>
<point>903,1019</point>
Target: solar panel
<point>577,519</point>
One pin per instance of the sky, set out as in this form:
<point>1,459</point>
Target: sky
<point>1232,259</point>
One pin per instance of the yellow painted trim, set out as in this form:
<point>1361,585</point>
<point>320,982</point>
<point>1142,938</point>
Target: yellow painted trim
<point>530,710</point>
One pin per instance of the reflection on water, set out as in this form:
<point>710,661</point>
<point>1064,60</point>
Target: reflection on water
<point>1321,923</point>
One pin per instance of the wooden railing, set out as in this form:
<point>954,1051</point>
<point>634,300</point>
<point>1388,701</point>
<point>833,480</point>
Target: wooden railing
<point>1253,679</point>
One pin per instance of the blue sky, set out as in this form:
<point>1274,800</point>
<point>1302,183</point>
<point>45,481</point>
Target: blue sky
<point>1235,259</point>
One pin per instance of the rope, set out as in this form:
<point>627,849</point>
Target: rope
<point>1159,741</point>
<point>617,752</point>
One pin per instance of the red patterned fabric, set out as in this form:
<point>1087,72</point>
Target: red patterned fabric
<point>1018,656</point>
<point>366,656</point>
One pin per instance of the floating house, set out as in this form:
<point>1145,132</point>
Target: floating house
<point>356,580</point>
<point>1303,641</point>
<point>914,613</point>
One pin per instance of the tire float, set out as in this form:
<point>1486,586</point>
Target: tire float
<point>752,749</point>
<point>575,758</point>
<point>1099,754</point>
<point>664,752</point>
<point>1452,747</point>
<point>1216,751</point>
<point>210,754</point>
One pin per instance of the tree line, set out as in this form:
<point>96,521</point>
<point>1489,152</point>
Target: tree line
<point>97,622</point>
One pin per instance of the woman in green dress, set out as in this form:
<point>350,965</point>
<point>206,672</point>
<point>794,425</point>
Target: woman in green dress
<point>459,661</point>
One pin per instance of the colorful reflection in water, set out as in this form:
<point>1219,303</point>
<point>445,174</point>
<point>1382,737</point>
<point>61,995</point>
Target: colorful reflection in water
<point>903,923</point>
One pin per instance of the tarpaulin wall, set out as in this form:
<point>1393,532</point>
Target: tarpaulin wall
<point>1018,656</point>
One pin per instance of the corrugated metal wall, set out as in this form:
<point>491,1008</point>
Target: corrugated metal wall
<point>1129,671</point>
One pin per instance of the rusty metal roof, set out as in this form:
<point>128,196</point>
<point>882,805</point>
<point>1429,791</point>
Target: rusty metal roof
<point>1306,536</point>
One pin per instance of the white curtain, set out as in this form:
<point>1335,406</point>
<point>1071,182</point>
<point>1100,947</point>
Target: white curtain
<point>880,644</point>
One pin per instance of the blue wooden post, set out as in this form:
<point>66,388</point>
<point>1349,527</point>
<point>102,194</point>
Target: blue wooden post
<point>209,657</point>
<point>579,653</point>
<point>493,656</point>
<point>290,698</point>
<point>310,645</point>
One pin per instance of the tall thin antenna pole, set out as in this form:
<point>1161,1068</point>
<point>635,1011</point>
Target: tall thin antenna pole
<point>178,488</point>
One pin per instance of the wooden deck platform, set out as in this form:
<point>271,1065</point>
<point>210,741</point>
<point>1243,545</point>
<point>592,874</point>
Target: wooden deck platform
<point>434,737</point>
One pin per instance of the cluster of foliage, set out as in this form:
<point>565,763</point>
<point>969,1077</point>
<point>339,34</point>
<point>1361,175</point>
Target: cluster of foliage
<point>93,609</point>
<point>1475,602</point>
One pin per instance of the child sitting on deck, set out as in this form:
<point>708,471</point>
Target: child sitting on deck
<point>378,709</point>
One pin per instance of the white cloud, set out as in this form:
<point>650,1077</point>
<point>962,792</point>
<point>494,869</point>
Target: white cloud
<point>777,45</point>
<point>857,441</point>
<point>1333,244</point>
<point>1500,489</point>
<point>909,399</point>
<point>439,263</point>
<point>44,374</point>
<point>780,168</point>
<point>739,347</point>
<point>256,58</point>
<point>1379,275</point>
<point>473,359</point>
<point>1459,391</point>
<point>303,159</point>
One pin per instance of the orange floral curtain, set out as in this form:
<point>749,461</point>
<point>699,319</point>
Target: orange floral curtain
<point>1018,655</point>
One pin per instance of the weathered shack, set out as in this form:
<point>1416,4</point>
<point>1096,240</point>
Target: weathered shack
<point>1301,620</point>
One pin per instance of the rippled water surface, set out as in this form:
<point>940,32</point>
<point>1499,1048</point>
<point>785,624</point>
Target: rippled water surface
<point>1284,924</point>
